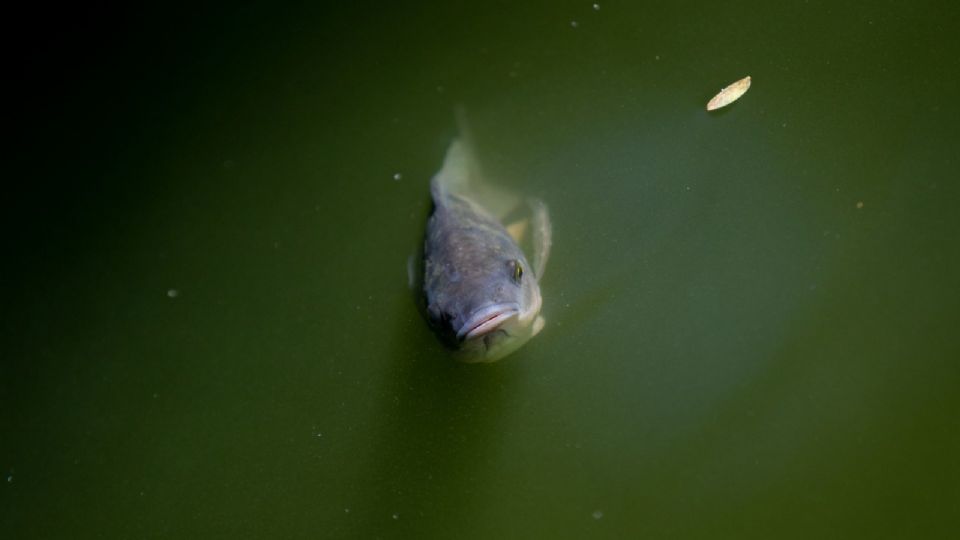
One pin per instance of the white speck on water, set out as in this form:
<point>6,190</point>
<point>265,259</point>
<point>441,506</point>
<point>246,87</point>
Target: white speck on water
<point>10,478</point>
<point>396,516</point>
<point>574,24</point>
<point>172,293</point>
<point>657,57</point>
<point>596,7</point>
<point>397,176</point>
<point>319,434</point>
<point>346,510</point>
<point>597,514</point>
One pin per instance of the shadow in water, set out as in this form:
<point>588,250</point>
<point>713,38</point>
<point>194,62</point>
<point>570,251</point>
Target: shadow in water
<point>440,424</point>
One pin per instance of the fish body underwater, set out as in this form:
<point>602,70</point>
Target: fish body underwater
<point>481,295</point>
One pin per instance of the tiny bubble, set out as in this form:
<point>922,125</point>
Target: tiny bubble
<point>9,478</point>
<point>346,510</point>
<point>396,516</point>
<point>172,293</point>
<point>596,7</point>
<point>397,176</point>
<point>319,434</point>
<point>574,24</point>
<point>859,205</point>
<point>597,514</point>
<point>657,57</point>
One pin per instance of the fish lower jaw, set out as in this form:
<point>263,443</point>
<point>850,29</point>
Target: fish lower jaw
<point>489,348</point>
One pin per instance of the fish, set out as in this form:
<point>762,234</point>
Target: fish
<point>480,292</point>
<point>729,94</point>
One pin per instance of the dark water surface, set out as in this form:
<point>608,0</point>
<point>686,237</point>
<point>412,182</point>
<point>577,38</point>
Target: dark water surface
<point>751,314</point>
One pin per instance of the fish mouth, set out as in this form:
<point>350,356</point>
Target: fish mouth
<point>487,320</point>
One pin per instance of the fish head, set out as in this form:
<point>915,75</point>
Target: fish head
<point>499,312</point>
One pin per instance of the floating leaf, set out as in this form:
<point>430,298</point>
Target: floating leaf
<point>729,94</point>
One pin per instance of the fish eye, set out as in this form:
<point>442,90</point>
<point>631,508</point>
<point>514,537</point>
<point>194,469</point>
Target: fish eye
<point>517,271</point>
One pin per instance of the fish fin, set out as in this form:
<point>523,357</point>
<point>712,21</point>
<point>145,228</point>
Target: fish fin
<point>454,176</point>
<point>462,176</point>
<point>460,172</point>
<point>538,325</point>
<point>518,229</point>
<point>542,232</point>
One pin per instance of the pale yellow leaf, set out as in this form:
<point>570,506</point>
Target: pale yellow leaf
<point>729,94</point>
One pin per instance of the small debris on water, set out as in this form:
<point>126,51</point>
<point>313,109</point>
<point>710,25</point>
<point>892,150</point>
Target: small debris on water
<point>397,176</point>
<point>596,7</point>
<point>172,293</point>
<point>729,94</point>
<point>859,205</point>
<point>597,514</point>
<point>396,516</point>
<point>574,24</point>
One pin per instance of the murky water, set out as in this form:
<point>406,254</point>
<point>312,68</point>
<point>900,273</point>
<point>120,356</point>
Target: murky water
<point>751,314</point>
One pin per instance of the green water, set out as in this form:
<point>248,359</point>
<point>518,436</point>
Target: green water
<point>751,314</point>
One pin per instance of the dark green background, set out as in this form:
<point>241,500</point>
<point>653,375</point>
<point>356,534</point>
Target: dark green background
<point>733,348</point>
